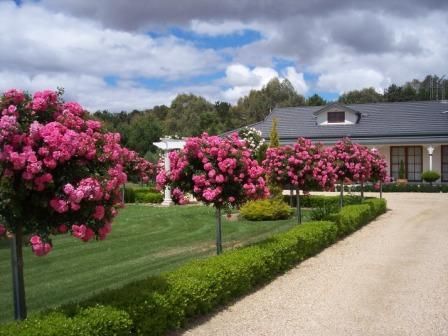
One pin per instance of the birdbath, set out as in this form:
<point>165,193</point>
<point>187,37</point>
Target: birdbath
<point>167,145</point>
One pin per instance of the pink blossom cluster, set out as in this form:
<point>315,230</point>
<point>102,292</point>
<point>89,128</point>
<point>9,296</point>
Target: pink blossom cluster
<point>303,165</point>
<point>59,169</point>
<point>138,166</point>
<point>218,171</point>
<point>353,161</point>
<point>39,247</point>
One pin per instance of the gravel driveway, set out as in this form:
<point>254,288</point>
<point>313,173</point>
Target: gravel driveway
<point>389,278</point>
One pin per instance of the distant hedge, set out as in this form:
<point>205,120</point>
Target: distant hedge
<point>410,187</point>
<point>142,195</point>
<point>161,303</point>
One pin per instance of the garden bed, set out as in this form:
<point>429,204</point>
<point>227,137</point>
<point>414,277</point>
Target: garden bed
<point>157,304</point>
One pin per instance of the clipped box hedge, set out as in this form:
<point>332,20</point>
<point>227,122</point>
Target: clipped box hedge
<point>92,321</point>
<point>162,303</point>
<point>317,201</point>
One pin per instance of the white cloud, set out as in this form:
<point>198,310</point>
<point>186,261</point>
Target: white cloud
<point>297,80</point>
<point>243,79</point>
<point>351,79</point>
<point>37,40</point>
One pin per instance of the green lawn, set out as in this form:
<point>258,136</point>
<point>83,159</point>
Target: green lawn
<point>145,240</point>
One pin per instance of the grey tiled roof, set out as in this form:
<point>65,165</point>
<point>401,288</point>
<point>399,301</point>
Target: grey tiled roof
<point>399,122</point>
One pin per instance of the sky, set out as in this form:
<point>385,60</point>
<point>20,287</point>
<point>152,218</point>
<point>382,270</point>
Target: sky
<point>124,55</point>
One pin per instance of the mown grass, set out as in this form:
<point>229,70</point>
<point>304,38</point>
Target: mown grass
<point>145,241</point>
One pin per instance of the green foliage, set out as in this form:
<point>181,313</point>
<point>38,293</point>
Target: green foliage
<point>316,201</point>
<point>142,195</point>
<point>368,95</point>
<point>158,304</point>
<point>324,211</point>
<point>146,196</point>
<point>93,321</point>
<point>258,103</point>
<point>266,210</point>
<point>401,171</point>
<point>430,176</point>
<point>129,195</point>
<point>315,100</point>
<point>352,217</point>
<point>410,187</point>
<point>261,153</point>
<point>273,137</point>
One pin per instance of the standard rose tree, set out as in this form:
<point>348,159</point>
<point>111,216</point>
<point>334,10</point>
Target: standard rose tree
<point>378,173</point>
<point>353,162</point>
<point>217,171</point>
<point>59,171</point>
<point>303,165</point>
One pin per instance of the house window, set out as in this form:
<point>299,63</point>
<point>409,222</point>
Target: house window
<point>445,163</point>
<point>412,158</point>
<point>336,117</point>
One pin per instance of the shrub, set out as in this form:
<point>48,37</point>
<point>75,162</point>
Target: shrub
<point>93,321</point>
<point>144,196</point>
<point>323,212</point>
<point>430,176</point>
<point>352,217</point>
<point>158,304</point>
<point>266,210</point>
<point>129,195</point>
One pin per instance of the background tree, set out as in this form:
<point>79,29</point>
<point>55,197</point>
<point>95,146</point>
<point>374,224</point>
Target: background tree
<point>273,136</point>
<point>315,100</point>
<point>363,96</point>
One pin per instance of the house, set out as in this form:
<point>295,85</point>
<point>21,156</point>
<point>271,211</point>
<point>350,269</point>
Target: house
<point>413,132</point>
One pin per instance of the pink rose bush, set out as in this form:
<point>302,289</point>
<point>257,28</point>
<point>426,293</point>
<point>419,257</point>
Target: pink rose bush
<point>379,172</point>
<point>60,172</point>
<point>217,171</point>
<point>353,161</point>
<point>304,165</point>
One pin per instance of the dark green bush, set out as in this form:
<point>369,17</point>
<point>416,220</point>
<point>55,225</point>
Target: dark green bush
<point>324,212</point>
<point>129,195</point>
<point>158,304</point>
<point>430,176</point>
<point>93,321</point>
<point>269,209</point>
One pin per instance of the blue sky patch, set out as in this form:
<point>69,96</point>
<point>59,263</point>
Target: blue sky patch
<point>234,40</point>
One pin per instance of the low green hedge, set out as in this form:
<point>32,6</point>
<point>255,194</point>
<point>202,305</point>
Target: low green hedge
<point>266,210</point>
<point>92,321</point>
<point>317,201</point>
<point>161,303</point>
<point>352,217</point>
